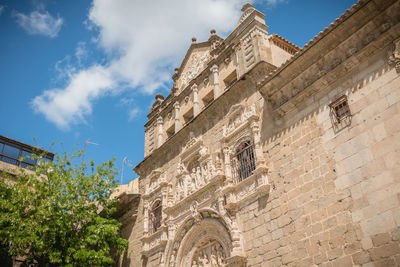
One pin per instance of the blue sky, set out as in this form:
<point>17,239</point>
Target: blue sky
<point>72,71</point>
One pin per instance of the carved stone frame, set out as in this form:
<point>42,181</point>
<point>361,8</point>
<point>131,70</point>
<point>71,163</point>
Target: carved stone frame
<point>245,121</point>
<point>158,189</point>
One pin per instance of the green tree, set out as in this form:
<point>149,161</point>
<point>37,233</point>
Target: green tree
<point>60,213</point>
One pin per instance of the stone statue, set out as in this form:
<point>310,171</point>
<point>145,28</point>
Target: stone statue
<point>213,257</point>
<point>195,212</point>
<point>188,185</point>
<point>194,181</point>
<point>200,180</point>
<point>203,259</point>
<point>181,168</point>
<point>172,261</point>
<point>220,256</point>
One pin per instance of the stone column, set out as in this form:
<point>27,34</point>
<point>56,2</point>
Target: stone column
<point>146,218</point>
<point>214,69</point>
<point>255,129</point>
<point>195,100</point>
<point>160,131</point>
<point>228,167</point>
<point>176,106</point>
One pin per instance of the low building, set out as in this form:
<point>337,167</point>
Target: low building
<point>14,154</point>
<point>267,154</point>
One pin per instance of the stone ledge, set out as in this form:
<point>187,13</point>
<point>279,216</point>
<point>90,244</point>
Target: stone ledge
<point>239,193</point>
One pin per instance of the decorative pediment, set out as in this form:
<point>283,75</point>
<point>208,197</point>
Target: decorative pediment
<point>238,118</point>
<point>194,63</point>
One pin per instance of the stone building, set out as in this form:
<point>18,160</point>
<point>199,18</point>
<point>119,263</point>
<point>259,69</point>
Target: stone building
<point>267,154</point>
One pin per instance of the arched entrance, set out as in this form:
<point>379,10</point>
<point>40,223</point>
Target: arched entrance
<point>202,241</point>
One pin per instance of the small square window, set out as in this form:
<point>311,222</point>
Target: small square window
<point>230,79</point>
<point>171,131</point>
<point>208,98</point>
<point>188,116</point>
<point>340,109</point>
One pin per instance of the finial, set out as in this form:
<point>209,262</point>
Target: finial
<point>194,40</point>
<point>159,96</point>
<point>213,32</point>
<point>247,6</point>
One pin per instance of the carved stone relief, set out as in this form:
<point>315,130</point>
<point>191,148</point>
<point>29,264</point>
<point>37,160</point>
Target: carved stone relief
<point>238,117</point>
<point>209,255</point>
<point>204,240</point>
<point>190,181</point>
<point>197,63</point>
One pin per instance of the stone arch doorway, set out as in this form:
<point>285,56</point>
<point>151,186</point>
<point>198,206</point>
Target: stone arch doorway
<point>204,240</point>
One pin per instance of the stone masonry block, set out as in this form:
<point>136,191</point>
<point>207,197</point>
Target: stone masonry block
<point>381,239</point>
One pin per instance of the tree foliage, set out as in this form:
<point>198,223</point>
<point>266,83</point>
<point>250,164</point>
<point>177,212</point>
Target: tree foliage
<point>59,213</point>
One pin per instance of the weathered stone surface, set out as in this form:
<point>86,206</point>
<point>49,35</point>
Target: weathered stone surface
<point>320,190</point>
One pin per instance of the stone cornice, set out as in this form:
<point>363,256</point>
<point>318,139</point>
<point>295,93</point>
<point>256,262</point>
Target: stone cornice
<point>284,44</point>
<point>331,56</point>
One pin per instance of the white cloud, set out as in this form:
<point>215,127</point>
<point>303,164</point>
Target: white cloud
<point>2,9</point>
<point>133,113</point>
<point>71,104</point>
<point>144,40</point>
<point>274,2</point>
<point>39,22</point>
<point>81,52</point>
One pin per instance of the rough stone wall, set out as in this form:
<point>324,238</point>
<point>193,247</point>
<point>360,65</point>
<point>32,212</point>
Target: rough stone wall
<point>335,195</point>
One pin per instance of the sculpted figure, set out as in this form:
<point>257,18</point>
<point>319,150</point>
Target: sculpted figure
<point>188,185</point>
<point>220,256</point>
<point>194,264</point>
<point>195,212</point>
<point>206,175</point>
<point>213,257</point>
<point>211,168</point>
<point>194,181</point>
<point>172,261</point>
<point>181,168</point>
<point>203,260</point>
<point>200,180</point>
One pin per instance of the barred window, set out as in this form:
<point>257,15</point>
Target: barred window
<point>340,108</point>
<point>244,162</point>
<point>155,216</point>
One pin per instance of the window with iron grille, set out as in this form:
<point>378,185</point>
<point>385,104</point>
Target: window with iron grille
<point>340,108</point>
<point>244,162</point>
<point>155,216</point>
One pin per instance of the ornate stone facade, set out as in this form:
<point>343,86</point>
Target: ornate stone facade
<point>244,165</point>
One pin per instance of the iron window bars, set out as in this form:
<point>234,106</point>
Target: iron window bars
<point>244,161</point>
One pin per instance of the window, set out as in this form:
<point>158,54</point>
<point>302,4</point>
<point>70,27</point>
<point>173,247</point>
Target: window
<point>188,116</point>
<point>171,131</point>
<point>230,79</point>
<point>340,108</point>
<point>244,162</point>
<point>155,216</point>
<point>208,98</point>
<point>19,154</point>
